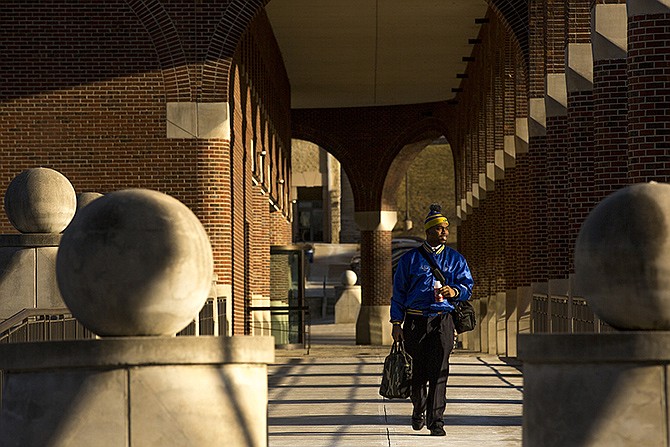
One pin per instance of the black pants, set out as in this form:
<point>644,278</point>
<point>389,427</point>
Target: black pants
<point>429,340</point>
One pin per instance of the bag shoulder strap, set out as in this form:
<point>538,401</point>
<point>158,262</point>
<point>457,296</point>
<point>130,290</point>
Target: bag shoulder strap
<point>437,273</point>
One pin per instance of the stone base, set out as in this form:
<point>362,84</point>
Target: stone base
<point>28,278</point>
<point>348,304</point>
<point>136,391</point>
<point>373,326</point>
<point>595,389</point>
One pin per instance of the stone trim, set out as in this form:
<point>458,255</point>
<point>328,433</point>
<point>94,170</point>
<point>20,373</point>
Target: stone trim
<point>647,7</point>
<point>195,120</point>
<point>579,70</point>
<point>556,99</point>
<point>376,220</point>
<point>136,351</point>
<point>609,32</point>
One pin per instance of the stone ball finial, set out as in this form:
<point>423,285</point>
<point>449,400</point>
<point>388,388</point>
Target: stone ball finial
<point>40,200</point>
<point>349,278</point>
<point>85,198</point>
<point>622,258</point>
<point>135,262</point>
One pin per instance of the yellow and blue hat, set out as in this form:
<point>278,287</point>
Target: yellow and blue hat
<point>435,217</point>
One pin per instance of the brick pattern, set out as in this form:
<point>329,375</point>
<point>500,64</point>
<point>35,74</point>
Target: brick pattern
<point>557,183</point>
<point>526,208</point>
<point>514,16</point>
<point>488,235</point>
<point>69,100</point>
<point>537,50</point>
<point>260,164</point>
<point>610,126</point>
<point>648,98</point>
<point>483,239</point>
<point>257,254</point>
<point>578,23</point>
<point>555,29</point>
<point>375,266</point>
<point>513,219</point>
<point>423,190</point>
<point>581,193</point>
<point>557,176</point>
<point>367,141</point>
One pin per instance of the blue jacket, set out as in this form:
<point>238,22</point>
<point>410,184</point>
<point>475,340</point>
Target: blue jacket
<point>413,282</point>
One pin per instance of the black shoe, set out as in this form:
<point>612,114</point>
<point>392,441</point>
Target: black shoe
<point>418,422</point>
<point>437,430</point>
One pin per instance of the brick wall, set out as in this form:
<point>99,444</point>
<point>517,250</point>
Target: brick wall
<point>375,265</point>
<point>556,175</point>
<point>495,236</point>
<point>648,98</point>
<point>434,162</point>
<point>260,161</point>
<point>86,100</point>
<point>90,101</point>
<point>581,193</point>
<point>610,126</point>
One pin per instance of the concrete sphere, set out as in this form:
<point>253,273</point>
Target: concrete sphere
<point>85,198</point>
<point>135,262</point>
<point>622,258</point>
<point>349,278</point>
<point>40,200</point>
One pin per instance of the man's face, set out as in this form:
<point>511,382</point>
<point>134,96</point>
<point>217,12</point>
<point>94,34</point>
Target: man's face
<point>438,234</point>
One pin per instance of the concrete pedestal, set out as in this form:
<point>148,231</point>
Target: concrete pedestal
<point>348,304</point>
<point>373,326</point>
<point>28,273</point>
<point>115,392</point>
<point>596,389</point>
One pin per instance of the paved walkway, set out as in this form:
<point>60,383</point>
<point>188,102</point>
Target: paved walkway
<point>330,397</point>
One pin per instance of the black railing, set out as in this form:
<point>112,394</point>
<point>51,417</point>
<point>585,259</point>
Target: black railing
<point>211,319</point>
<point>564,314</point>
<point>43,325</point>
<point>295,330</point>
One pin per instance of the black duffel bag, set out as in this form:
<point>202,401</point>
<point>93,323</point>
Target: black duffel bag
<point>464,316</point>
<point>397,376</point>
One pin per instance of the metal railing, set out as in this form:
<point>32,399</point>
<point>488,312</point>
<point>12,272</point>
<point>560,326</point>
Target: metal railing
<point>43,325</point>
<point>211,319</point>
<point>293,330</point>
<point>564,314</point>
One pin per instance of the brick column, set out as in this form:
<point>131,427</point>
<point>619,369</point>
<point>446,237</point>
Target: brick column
<point>579,77</point>
<point>609,25</point>
<point>556,178</point>
<point>373,326</point>
<point>536,193</point>
<point>648,90</point>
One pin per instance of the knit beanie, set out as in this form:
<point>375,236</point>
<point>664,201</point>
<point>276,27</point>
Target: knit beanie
<point>435,217</point>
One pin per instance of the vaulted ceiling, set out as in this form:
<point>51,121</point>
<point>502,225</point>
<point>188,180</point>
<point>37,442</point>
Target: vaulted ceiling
<point>356,53</point>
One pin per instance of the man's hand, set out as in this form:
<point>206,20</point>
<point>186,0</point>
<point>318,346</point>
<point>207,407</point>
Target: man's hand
<point>396,333</point>
<point>448,292</point>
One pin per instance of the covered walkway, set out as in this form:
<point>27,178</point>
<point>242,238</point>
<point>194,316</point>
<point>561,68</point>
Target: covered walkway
<point>330,397</point>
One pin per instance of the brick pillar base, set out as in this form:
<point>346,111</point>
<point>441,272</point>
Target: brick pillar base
<point>373,324</point>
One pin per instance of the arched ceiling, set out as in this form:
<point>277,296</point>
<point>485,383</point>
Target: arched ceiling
<point>357,53</point>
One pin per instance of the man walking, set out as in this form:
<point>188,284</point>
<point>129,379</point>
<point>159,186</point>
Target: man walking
<point>420,313</point>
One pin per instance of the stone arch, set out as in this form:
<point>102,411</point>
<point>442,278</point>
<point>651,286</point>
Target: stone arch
<point>171,55</point>
<point>223,43</point>
<point>514,15</point>
<point>409,144</point>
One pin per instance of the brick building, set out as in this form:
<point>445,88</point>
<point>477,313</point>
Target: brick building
<point>556,103</point>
